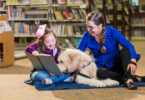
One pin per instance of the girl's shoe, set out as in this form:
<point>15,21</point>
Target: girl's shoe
<point>69,79</point>
<point>47,81</point>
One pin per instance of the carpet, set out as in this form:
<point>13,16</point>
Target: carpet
<point>70,85</point>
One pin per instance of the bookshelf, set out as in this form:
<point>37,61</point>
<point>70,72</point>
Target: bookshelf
<point>138,25</point>
<point>138,20</point>
<point>118,15</point>
<point>65,17</point>
<point>6,43</point>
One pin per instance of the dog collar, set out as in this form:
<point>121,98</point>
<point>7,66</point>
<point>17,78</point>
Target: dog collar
<point>84,65</point>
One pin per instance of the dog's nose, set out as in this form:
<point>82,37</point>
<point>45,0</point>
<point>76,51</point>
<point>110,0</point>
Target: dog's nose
<point>65,71</point>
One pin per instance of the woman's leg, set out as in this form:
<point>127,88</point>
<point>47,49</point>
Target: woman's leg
<point>119,72</point>
<point>104,73</point>
<point>116,72</point>
<point>128,79</point>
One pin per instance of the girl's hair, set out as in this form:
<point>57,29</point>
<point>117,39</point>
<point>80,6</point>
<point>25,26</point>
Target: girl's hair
<point>40,42</point>
<point>98,18</point>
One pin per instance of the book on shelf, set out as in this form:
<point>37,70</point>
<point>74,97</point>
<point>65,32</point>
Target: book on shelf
<point>75,14</point>
<point>67,15</point>
<point>2,5</point>
<point>83,13</point>
<point>69,43</point>
<point>83,28</point>
<point>58,15</point>
<point>59,1</point>
<point>44,62</point>
<point>77,30</point>
<point>78,1</point>
<point>69,10</point>
<point>51,14</point>
<point>77,41</point>
<point>69,30</point>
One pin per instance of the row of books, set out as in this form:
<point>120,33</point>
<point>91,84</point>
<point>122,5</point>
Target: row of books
<point>68,43</point>
<point>2,5</point>
<point>68,29</point>
<point>15,12</point>
<point>138,20</point>
<point>45,2</point>
<point>139,33</point>
<point>69,14</point>
<point>20,28</point>
<point>53,14</point>
<point>68,1</point>
<point>14,2</point>
<point>19,12</point>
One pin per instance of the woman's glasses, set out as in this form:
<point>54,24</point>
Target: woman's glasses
<point>90,27</point>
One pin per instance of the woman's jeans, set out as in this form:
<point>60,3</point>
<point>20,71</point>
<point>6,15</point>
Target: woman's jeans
<point>38,76</point>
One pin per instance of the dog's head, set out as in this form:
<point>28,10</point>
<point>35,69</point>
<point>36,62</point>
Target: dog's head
<point>71,60</point>
<point>68,60</point>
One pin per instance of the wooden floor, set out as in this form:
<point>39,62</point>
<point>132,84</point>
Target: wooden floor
<point>12,85</point>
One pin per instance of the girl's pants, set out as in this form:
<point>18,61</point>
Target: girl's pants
<point>119,72</point>
<point>40,75</point>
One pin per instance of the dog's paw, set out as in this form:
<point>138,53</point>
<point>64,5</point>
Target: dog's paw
<point>100,84</point>
<point>110,82</point>
<point>97,83</point>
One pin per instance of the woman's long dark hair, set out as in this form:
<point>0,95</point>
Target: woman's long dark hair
<point>40,42</point>
<point>98,18</point>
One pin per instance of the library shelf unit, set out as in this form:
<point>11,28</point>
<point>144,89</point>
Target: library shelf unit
<point>118,16</point>
<point>50,16</point>
<point>138,26</point>
<point>7,46</point>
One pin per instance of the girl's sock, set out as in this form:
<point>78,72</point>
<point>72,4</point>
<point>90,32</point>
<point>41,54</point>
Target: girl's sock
<point>47,81</point>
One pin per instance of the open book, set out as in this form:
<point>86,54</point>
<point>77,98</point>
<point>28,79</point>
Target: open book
<point>44,62</point>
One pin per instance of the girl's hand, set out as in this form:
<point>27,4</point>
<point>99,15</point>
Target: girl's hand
<point>35,53</point>
<point>51,74</point>
<point>133,68</point>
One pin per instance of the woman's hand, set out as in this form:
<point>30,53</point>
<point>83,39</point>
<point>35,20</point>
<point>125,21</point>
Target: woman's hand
<point>133,68</point>
<point>35,53</point>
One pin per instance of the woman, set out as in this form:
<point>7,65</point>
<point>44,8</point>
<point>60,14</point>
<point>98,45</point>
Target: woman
<point>103,42</point>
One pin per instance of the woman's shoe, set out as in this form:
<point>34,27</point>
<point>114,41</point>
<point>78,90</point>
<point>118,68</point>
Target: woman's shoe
<point>130,84</point>
<point>142,78</point>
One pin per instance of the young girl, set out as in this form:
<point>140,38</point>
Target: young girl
<point>46,44</point>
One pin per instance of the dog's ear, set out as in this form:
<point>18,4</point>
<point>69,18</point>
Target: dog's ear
<point>73,56</point>
<point>74,59</point>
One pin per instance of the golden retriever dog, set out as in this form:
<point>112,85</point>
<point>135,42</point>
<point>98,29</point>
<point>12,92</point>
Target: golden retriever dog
<point>73,60</point>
